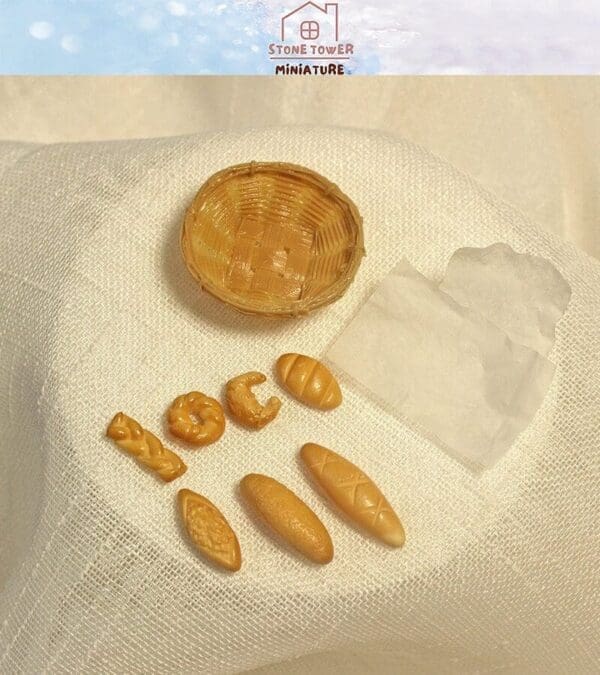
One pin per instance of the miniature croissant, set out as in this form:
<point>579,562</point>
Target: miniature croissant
<point>242,402</point>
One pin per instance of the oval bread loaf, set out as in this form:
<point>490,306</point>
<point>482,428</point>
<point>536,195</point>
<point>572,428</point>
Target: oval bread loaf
<point>209,530</point>
<point>288,516</point>
<point>354,493</point>
<point>309,381</point>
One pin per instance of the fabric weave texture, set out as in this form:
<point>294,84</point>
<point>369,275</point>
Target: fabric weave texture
<point>499,571</point>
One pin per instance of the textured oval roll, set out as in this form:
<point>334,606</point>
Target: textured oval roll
<point>209,530</point>
<point>272,238</point>
<point>288,516</point>
<point>309,381</point>
<point>354,493</point>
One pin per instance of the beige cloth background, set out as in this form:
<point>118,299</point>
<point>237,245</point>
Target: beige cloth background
<point>534,141</point>
<point>500,571</point>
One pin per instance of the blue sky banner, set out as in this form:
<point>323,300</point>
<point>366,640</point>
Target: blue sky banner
<point>298,38</point>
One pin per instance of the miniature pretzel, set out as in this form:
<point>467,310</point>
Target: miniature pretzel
<point>145,447</point>
<point>243,404</point>
<point>209,411</point>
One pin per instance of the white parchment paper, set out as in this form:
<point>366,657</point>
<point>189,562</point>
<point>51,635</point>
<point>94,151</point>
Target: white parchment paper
<point>525,295</point>
<point>445,367</point>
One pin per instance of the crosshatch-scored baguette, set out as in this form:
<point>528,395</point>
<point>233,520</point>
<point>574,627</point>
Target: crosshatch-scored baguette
<point>354,493</point>
<point>309,381</point>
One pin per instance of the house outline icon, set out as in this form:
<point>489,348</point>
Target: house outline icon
<point>333,6</point>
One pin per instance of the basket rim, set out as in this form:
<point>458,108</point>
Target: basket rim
<point>300,306</point>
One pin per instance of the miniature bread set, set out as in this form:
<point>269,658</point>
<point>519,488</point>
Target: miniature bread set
<point>276,240</point>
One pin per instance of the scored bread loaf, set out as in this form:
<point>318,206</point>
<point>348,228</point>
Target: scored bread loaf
<point>309,381</point>
<point>354,493</point>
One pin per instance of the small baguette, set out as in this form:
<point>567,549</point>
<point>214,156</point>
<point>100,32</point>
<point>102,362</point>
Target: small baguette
<point>209,530</point>
<point>288,516</point>
<point>354,493</point>
<point>309,381</point>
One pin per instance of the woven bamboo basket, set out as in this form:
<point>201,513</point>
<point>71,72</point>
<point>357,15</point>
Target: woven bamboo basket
<point>272,238</point>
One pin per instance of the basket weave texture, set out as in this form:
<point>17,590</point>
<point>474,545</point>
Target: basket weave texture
<point>272,238</point>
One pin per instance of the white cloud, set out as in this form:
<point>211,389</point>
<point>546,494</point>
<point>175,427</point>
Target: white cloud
<point>176,8</point>
<point>456,70</point>
<point>171,39</point>
<point>233,55</point>
<point>71,44</point>
<point>41,30</point>
<point>149,21</point>
<point>124,8</point>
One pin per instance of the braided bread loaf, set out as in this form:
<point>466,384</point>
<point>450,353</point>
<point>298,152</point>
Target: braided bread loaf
<point>145,447</point>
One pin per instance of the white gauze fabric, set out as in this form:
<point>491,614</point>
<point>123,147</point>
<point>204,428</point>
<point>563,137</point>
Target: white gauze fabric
<point>499,572</point>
